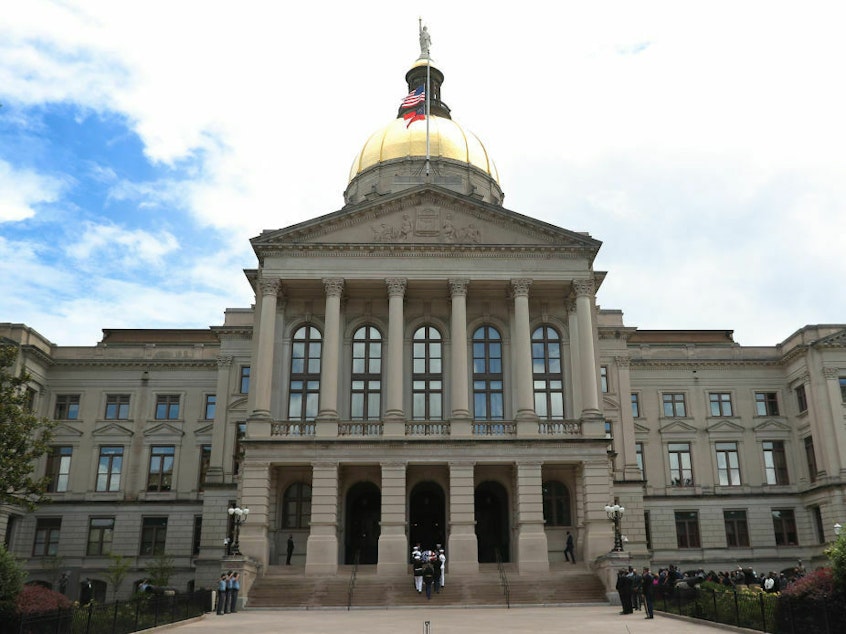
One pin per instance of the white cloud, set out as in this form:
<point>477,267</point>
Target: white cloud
<point>22,190</point>
<point>127,248</point>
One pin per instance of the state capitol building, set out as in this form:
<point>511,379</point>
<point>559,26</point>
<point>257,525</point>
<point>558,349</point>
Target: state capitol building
<point>427,365</point>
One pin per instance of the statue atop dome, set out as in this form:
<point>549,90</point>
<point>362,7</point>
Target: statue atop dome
<point>425,39</point>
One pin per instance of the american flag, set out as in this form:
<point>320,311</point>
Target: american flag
<point>414,98</point>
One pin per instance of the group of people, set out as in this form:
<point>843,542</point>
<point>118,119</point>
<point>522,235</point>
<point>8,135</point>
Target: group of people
<point>636,590</point>
<point>429,568</point>
<point>227,593</point>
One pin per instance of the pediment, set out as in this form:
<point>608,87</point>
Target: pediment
<point>678,427</point>
<point>641,429</point>
<point>237,404</point>
<point>725,427</point>
<point>836,340</point>
<point>164,430</point>
<point>610,403</point>
<point>113,430</point>
<point>426,215</point>
<point>62,431</point>
<point>205,430</point>
<point>769,426</point>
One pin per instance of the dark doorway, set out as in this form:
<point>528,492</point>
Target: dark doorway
<point>426,515</point>
<point>364,510</point>
<point>492,532</point>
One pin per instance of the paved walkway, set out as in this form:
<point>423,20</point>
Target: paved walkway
<point>571,619</point>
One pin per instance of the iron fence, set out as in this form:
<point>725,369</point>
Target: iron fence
<point>121,617</point>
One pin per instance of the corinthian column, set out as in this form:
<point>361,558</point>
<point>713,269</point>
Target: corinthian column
<point>262,377</point>
<point>523,352</point>
<point>331,341</point>
<point>587,356</point>
<point>396,292</point>
<point>458,335</point>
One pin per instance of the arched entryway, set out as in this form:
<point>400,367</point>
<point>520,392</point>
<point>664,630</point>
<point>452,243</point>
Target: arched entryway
<point>364,511</point>
<point>427,515</point>
<point>492,534</point>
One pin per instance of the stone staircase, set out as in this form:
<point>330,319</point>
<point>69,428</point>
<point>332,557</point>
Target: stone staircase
<point>288,587</point>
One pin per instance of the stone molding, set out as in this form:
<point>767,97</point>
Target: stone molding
<point>334,286</point>
<point>396,286</point>
<point>458,287</point>
<point>269,286</point>
<point>520,287</point>
<point>584,288</point>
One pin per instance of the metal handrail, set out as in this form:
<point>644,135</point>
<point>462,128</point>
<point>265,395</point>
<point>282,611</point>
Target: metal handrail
<point>352,578</point>
<point>503,578</point>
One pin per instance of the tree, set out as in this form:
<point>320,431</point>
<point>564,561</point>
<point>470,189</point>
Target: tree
<point>116,572</point>
<point>12,577</point>
<point>23,436</point>
<point>160,569</point>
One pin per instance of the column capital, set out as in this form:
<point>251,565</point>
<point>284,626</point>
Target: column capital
<point>831,373</point>
<point>623,362</point>
<point>458,286</point>
<point>333,286</point>
<point>269,286</point>
<point>224,360</point>
<point>520,287</point>
<point>584,288</point>
<point>396,286</point>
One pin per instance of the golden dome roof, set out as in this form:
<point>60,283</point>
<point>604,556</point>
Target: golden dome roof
<point>447,140</point>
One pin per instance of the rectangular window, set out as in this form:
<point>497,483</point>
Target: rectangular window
<point>67,407</point>
<point>737,530</point>
<point>801,399</point>
<point>244,383</point>
<point>205,461</point>
<point>603,378</point>
<point>818,524</point>
<point>209,407</point>
<point>109,468</point>
<point>775,462</point>
<point>635,405</point>
<point>720,403</point>
<point>639,458</point>
<point>648,530</point>
<point>811,458</point>
<point>100,532</point>
<point>117,406</point>
<point>784,525</point>
<point>58,469</point>
<point>728,464</point>
<point>843,388</point>
<point>687,529</point>
<point>766,404</point>
<point>681,465</point>
<point>198,533</point>
<point>240,434</point>
<point>47,530</point>
<point>673,404</point>
<point>160,475</point>
<point>153,536</point>
<point>167,407</point>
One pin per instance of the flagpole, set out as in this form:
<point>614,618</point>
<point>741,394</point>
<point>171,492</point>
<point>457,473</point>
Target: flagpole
<point>428,109</point>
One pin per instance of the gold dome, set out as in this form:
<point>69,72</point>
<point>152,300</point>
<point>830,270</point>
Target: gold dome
<point>447,140</point>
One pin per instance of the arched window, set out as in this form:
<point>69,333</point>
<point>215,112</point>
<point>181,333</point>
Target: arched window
<point>304,392</point>
<point>487,374</point>
<point>546,373</point>
<point>366,393</point>
<point>427,378</point>
<point>556,504</point>
<point>296,506</point>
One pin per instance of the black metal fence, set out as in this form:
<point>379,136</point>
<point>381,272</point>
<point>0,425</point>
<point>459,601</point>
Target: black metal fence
<point>139,613</point>
<point>771,613</point>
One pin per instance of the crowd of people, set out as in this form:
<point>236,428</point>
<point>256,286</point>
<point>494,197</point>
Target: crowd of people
<point>227,593</point>
<point>638,590</point>
<point>429,569</point>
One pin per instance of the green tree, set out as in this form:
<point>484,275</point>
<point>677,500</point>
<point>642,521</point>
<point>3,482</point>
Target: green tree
<point>160,570</point>
<point>116,572</point>
<point>23,436</point>
<point>837,557</point>
<point>12,577</point>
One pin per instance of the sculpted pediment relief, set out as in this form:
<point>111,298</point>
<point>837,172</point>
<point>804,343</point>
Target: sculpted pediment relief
<point>837,340</point>
<point>426,216</point>
<point>678,427</point>
<point>114,430</point>
<point>725,427</point>
<point>610,403</point>
<point>205,430</point>
<point>164,430</point>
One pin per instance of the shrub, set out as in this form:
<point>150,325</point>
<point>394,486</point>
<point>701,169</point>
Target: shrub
<point>34,599</point>
<point>12,577</point>
<point>818,584</point>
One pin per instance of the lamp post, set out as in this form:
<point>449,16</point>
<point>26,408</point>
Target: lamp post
<point>239,516</point>
<point>615,514</point>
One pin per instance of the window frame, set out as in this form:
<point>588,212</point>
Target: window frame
<point>117,406</point>
<point>557,504</point>
<point>811,458</point>
<point>488,382</point>
<point>102,544</point>
<point>153,536</point>
<point>209,406</point>
<point>737,528</point>
<point>112,474</point>
<point>244,380</point>
<point>784,526</point>
<point>205,463</point>
<point>640,460</point>
<point>160,470</point>
<point>58,469</point>
<point>678,470</point>
<point>677,402</point>
<point>766,404</point>
<point>778,453</point>
<point>427,375</point>
<point>720,404</point>
<point>728,472</point>
<point>48,532</point>
<point>296,505</point>
<point>688,534</point>
<point>67,407</point>
<point>604,384</point>
<point>635,404</point>
<point>366,364</point>
<point>548,373</point>
<point>168,407</point>
<point>801,398</point>
<point>304,375</point>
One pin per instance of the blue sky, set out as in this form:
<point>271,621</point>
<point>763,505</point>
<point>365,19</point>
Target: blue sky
<point>143,143</point>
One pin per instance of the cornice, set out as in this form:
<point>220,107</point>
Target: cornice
<point>161,364</point>
<point>678,364</point>
<point>28,350</point>
<point>426,250</point>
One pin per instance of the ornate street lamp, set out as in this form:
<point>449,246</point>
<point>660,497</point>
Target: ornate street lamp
<point>615,514</point>
<point>239,516</point>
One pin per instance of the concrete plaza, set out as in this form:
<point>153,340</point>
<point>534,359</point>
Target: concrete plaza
<point>594,619</point>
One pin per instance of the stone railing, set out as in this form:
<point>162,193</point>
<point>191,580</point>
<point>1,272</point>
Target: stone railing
<point>421,428</point>
<point>364,428</point>
<point>293,429</point>
<point>560,428</point>
<point>494,428</point>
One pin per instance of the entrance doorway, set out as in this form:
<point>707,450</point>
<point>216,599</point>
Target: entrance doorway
<point>427,515</point>
<point>492,531</point>
<point>361,535</point>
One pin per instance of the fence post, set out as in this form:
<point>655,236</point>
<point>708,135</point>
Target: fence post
<point>114,619</point>
<point>825,617</point>
<point>716,613</point>
<point>736,610</point>
<point>763,611</point>
<point>88,622</point>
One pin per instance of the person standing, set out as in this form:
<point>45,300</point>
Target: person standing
<point>417,566</point>
<point>570,549</point>
<point>290,550</point>
<point>222,588</point>
<point>442,559</point>
<point>234,587</point>
<point>648,584</point>
<point>428,578</point>
<point>436,566</point>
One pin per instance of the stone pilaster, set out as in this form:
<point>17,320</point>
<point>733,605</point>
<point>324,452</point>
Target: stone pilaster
<point>458,361</point>
<point>598,535</point>
<point>393,540</point>
<point>255,495</point>
<point>463,553</point>
<point>328,410</point>
<point>395,412</point>
<point>219,439</point>
<point>262,370</point>
<point>575,358</point>
<point>531,538</point>
<point>322,545</point>
<point>626,446</point>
